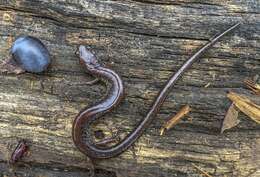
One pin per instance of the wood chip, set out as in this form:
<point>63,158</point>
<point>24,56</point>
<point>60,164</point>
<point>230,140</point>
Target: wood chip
<point>231,118</point>
<point>246,106</point>
<point>207,85</point>
<point>175,119</point>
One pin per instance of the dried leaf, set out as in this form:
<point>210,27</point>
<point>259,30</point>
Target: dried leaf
<point>231,118</point>
<point>246,106</point>
<point>175,119</point>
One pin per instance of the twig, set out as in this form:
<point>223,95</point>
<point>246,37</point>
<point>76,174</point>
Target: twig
<point>175,119</point>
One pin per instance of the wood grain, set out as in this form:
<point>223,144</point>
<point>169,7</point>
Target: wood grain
<point>145,42</point>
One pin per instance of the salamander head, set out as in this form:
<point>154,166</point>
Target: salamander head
<point>87,57</point>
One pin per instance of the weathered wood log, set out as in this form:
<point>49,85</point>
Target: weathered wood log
<point>145,42</point>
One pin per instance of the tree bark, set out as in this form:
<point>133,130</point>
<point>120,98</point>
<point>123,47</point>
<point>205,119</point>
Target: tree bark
<point>144,42</point>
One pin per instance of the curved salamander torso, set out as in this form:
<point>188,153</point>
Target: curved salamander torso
<point>89,115</point>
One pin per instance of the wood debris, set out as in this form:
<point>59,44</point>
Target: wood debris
<point>201,171</point>
<point>231,118</point>
<point>207,85</point>
<point>253,86</point>
<point>245,105</point>
<point>175,119</point>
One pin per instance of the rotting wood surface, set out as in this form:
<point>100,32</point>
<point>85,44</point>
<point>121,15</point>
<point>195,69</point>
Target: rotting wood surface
<point>145,42</point>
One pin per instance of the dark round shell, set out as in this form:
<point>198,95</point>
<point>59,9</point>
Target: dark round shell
<point>30,54</point>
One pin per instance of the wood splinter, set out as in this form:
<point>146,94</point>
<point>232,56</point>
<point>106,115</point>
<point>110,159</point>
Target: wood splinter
<point>253,86</point>
<point>175,119</point>
<point>200,170</point>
